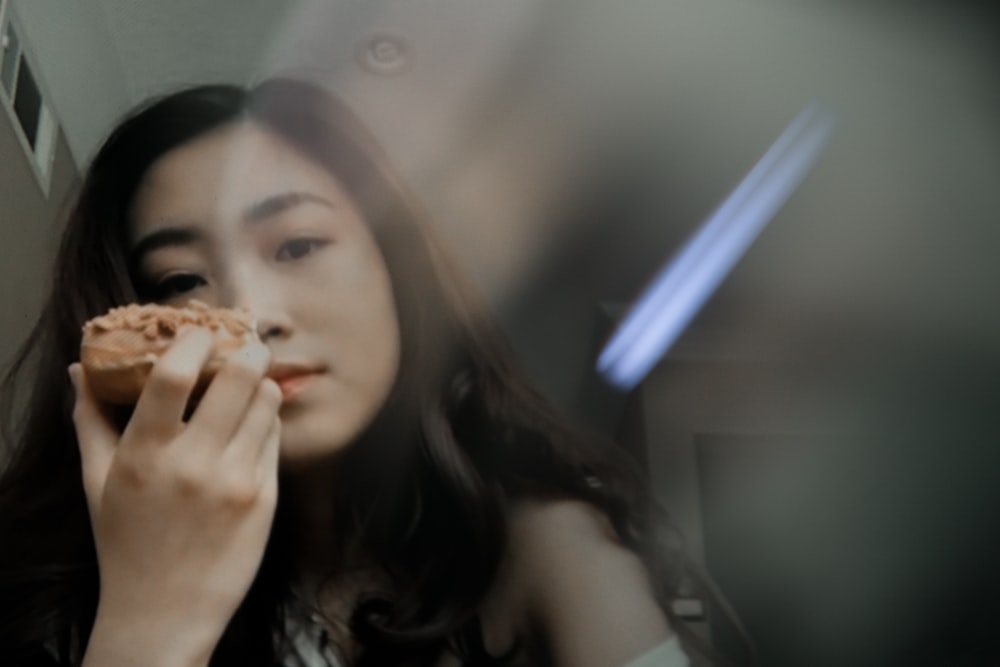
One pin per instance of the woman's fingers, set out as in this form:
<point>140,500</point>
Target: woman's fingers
<point>222,408</point>
<point>160,410</point>
<point>96,434</point>
<point>222,445</point>
<point>265,468</point>
<point>244,478</point>
<point>267,465</point>
<point>250,441</point>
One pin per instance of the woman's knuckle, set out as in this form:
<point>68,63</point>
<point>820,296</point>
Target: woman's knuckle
<point>268,495</point>
<point>92,483</point>
<point>80,416</point>
<point>131,474</point>
<point>189,480</point>
<point>168,379</point>
<point>243,369</point>
<point>270,392</point>
<point>241,494</point>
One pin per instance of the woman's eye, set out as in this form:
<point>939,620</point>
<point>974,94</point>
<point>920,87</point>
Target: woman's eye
<point>176,285</point>
<point>298,248</point>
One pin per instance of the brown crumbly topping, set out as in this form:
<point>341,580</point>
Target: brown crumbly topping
<point>155,320</point>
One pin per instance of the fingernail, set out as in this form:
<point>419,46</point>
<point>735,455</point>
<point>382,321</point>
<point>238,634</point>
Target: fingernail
<point>257,353</point>
<point>72,370</point>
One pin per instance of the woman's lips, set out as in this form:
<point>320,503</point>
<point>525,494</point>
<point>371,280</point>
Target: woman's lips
<point>294,385</point>
<point>293,379</point>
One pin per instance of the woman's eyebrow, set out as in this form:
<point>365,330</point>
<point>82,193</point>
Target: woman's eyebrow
<point>274,205</point>
<point>169,236</point>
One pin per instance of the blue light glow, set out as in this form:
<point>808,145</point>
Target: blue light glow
<point>683,286</point>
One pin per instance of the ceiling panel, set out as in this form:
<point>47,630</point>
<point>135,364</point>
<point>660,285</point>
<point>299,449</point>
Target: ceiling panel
<point>164,44</point>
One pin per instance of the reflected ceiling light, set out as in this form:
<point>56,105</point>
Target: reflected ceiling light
<point>683,286</point>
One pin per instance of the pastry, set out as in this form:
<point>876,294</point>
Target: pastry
<point>119,348</point>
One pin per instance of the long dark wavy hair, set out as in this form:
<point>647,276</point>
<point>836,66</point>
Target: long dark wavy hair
<point>465,428</point>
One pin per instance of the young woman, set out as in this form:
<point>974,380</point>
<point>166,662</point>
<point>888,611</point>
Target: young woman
<point>374,484</point>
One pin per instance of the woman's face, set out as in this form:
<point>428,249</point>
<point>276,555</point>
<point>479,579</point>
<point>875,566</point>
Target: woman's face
<point>239,218</point>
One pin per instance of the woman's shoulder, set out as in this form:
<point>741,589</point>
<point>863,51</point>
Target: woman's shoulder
<point>570,590</point>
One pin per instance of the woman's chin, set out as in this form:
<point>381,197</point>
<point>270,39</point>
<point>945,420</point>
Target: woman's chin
<point>301,446</point>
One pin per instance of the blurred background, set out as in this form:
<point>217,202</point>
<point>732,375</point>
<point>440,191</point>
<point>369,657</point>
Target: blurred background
<point>825,431</point>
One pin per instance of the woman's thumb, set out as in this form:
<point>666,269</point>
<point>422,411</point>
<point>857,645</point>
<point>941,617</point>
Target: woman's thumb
<point>95,433</point>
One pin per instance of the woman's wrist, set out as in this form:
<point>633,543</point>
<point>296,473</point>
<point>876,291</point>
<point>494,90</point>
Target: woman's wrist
<point>121,641</point>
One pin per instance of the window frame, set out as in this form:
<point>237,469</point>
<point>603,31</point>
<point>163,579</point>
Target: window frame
<point>42,155</point>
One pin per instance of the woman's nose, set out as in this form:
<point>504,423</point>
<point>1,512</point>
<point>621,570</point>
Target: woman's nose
<point>271,329</point>
<point>266,306</point>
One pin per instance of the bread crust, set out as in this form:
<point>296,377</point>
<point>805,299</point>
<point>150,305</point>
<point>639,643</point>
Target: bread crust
<point>119,348</point>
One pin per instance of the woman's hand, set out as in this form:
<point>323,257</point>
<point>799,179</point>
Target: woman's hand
<point>181,512</point>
